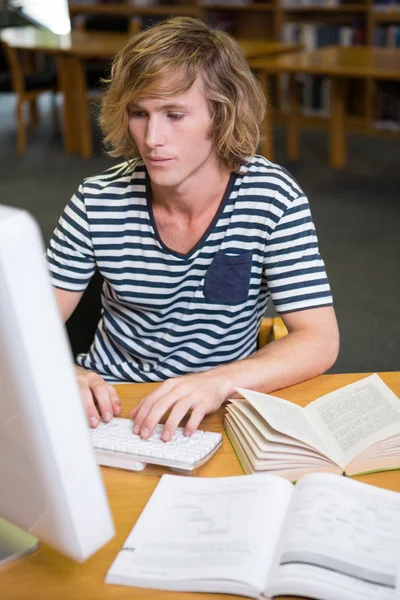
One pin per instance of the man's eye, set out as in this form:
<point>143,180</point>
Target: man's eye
<point>175,116</point>
<point>136,114</point>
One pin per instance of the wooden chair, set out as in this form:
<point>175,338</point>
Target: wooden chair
<point>27,86</point>
<point>271,329</point>
<point>279,328</point>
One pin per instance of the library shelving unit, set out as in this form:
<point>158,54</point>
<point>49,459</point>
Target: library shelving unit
<point>255,19</point>
<point>305,21</point>
<point>384,30</point>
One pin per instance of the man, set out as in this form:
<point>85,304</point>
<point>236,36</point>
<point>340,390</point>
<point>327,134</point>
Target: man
<point>192,234</point>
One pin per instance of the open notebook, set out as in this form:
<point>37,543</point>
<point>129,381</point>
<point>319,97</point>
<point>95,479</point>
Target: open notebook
<point>260,536</point>
<point>353,430</point>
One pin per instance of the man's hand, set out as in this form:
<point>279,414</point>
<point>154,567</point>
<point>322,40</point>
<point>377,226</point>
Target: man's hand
<point>100,399</point>
<point>201,393</point>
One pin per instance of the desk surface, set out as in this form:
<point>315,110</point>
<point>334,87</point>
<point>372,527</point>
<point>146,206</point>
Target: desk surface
<point>357,61</point>
<point>95,44</point>
<point>46,575</point>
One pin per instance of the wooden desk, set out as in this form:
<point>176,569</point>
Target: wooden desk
<point>101,44</point>
<point>339,64</point>
<point>72,50</point>
<point>46,575</point>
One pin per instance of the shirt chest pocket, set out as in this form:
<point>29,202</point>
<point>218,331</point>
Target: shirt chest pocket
<point>227,280</point>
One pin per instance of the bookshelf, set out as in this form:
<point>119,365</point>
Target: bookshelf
<point>373,107</point>
<point>384,23</point>
<point>388,17</point>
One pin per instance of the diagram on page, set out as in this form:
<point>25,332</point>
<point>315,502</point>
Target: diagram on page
<point>207,513</point>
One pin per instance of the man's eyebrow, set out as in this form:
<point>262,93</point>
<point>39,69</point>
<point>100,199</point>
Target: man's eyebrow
<point>170,106</point>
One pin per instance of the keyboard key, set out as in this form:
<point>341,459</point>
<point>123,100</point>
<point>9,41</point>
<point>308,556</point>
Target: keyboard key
<point>116,445</point>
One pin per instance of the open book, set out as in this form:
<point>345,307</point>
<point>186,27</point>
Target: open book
<point>328,537</point>
<point>354,430</point>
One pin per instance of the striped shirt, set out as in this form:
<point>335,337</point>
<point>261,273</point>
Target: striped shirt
<point>166,314</point>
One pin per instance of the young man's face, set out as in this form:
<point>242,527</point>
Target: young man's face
<point>172,135</point>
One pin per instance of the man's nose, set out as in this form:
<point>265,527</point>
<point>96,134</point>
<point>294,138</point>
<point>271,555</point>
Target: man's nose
<point>154,133</point>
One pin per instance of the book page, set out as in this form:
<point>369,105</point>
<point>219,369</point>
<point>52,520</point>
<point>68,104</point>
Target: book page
<point>356,416</point>
<point>268,434</point>
<point>205,529</point>
<point>257,428</point>
<point>286,417</point>
<point>270,450</point>
<point>387,447</point>
<point>340,534</point>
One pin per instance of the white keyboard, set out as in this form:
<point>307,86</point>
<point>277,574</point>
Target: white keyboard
<point>116,446</point>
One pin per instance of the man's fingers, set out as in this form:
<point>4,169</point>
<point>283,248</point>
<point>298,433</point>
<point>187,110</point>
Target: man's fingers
<point>135,410</point>
<point>101,395</point>
<point>95,391</point>
<point>181,393</point>
<point>113,394</point>
<point>177,413</point>
<point>155,413</point>
<point>100,399</point>
<point>195,419</point>
<point>146,401</point>
<point>141,412</point>
<point>115,400</point>
<point>151,398</point>
<point>90,408</point>
<point>144,409</point>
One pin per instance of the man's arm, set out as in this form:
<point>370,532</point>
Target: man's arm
<point>100,399</point>
<point>67,302</point>
<point>310,348</point>
<point>72,263</point>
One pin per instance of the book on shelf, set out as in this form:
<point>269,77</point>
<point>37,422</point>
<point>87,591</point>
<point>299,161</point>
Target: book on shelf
<point>227,3</point>
<point>387,36</point>
<point>299,4</point>
<point>386,5</point>
<point>260,536</point>
<point>353,430</point>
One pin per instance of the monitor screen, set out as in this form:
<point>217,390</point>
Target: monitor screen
<point>51,486</point>
<point>50,14</point>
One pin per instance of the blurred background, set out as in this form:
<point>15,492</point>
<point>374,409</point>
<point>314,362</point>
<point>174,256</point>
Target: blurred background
<point>338,132</point>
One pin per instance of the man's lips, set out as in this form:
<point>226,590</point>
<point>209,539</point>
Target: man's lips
<point>158,158</point>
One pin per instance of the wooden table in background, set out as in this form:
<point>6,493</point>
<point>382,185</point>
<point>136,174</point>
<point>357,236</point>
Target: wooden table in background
<point>339,64</point>
<point>46,575</point>
<point>72,50</point>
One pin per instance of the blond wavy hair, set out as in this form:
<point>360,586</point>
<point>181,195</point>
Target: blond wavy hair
<point>165,61</point>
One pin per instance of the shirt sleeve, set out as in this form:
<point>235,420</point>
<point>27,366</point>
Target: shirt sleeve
<point>70,254</point>
<point>293,266</point>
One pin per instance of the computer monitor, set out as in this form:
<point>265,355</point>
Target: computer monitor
<point>50,14</point>
<point>50,484</point>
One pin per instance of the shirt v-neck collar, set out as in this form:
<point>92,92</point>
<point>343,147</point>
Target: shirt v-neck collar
<point>202,240</point>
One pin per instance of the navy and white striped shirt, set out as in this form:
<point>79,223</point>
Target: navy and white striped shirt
<point>167,314</point>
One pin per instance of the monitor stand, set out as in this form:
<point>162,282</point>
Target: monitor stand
<point>14,542</point>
